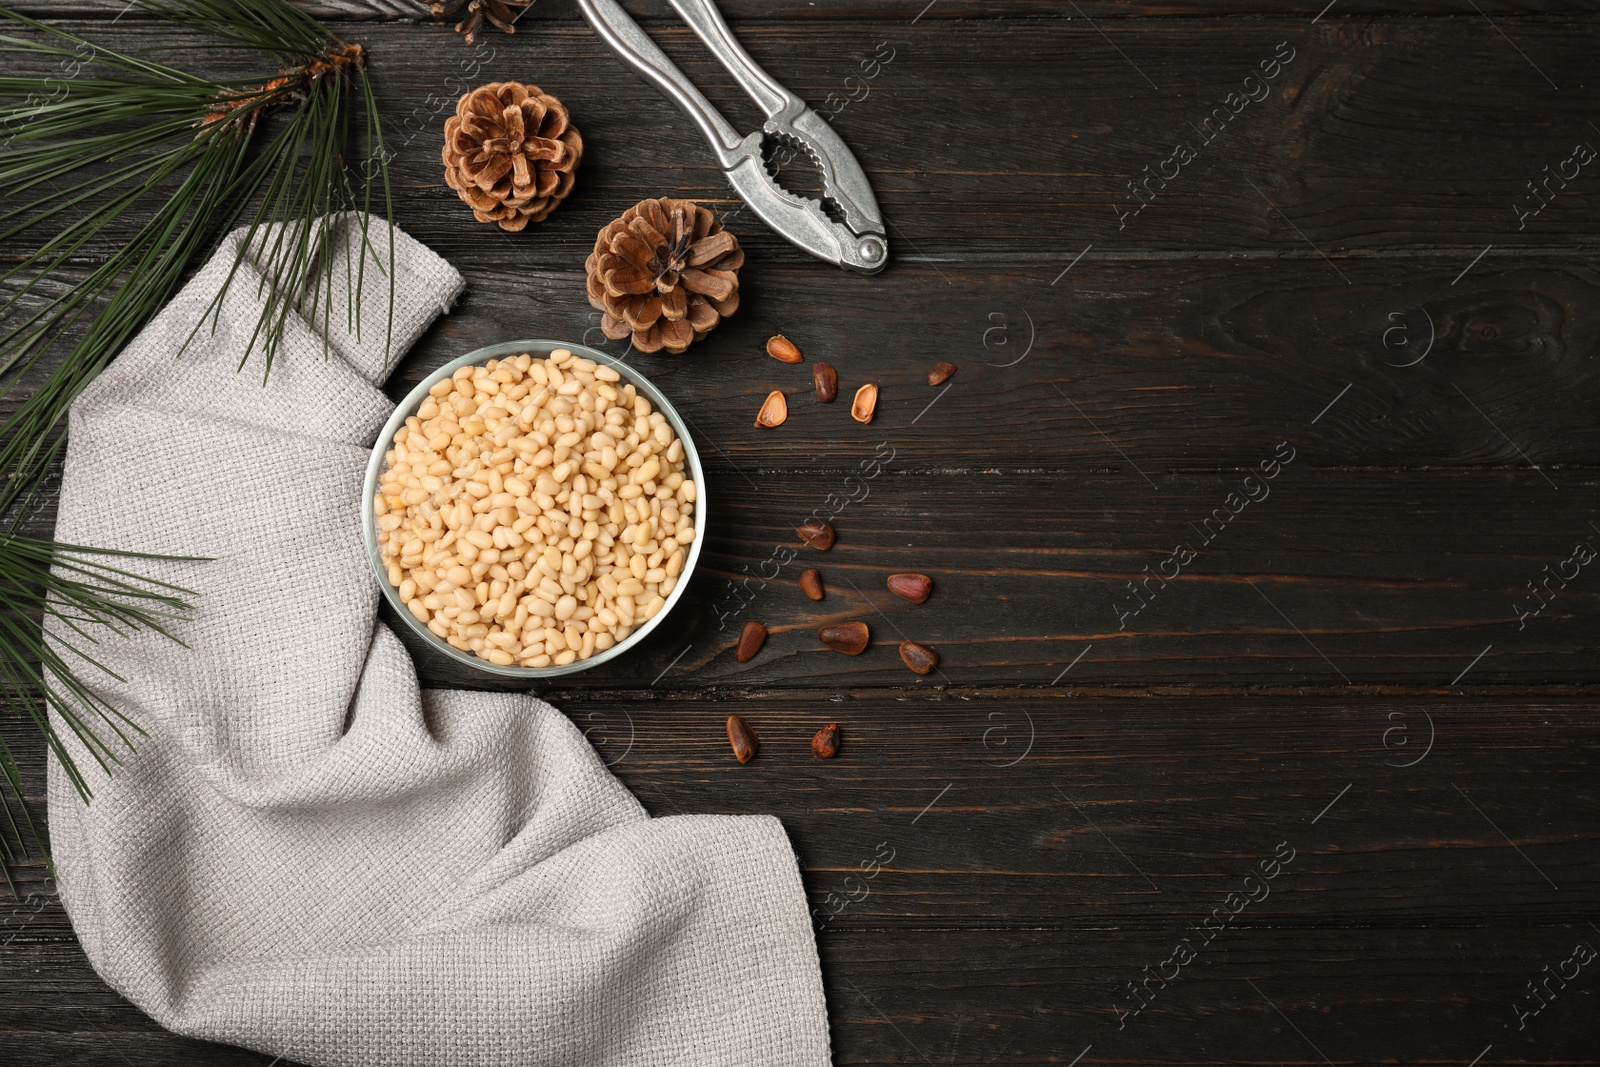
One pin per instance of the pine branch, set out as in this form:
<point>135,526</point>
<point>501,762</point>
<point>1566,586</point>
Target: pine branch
<point>125,137</point>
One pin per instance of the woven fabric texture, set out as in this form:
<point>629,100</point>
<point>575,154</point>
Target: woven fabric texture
<point>310,855</point>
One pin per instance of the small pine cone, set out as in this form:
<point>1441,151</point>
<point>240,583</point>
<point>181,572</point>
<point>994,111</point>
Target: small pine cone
<point>501,14</point>
<point>510,151</point>
<point>665,272</point>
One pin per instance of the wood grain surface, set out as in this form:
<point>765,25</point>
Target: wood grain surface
<point>1336,355</point>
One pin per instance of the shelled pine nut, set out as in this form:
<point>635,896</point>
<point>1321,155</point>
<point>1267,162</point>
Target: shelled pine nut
<point>536,510</point>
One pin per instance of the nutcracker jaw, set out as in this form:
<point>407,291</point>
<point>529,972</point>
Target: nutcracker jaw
<point>803,221</point>
<point>857,242</point>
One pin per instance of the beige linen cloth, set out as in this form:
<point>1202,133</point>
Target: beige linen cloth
<point>314,857</point>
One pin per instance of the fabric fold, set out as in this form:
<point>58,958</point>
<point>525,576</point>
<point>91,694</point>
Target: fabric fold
<point>314,857</point>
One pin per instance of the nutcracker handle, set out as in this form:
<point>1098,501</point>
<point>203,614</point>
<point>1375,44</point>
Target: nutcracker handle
<point>706,21</point>
<point>624,36</point>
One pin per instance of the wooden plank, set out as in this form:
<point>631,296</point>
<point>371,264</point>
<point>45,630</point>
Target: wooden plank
<point>1365,140</point>
<point>1331,577</point>
<point>1344,181</point>
<point>1137,811</point>
<point>1252,996</point>
<point>1154,366</point>
<point>123,11</point>
<point>1151,367</point>
<point>888,10</point>
<point>1365,577</point>
<point>1357,996</point>
<point>1016,900</point>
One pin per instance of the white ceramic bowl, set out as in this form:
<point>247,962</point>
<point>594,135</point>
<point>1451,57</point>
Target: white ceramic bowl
<point>408,407</point>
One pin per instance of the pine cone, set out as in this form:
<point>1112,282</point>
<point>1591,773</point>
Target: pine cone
<point>502,14</point>
<point>509,152</point>
<point>666,272</point>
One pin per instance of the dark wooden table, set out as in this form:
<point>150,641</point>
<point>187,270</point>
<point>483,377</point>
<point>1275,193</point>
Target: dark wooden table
<point>1265,727</point>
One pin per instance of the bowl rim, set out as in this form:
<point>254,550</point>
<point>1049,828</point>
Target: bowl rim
<point>538,347</point>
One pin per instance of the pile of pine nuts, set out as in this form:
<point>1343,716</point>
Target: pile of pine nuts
<point>533,511</point>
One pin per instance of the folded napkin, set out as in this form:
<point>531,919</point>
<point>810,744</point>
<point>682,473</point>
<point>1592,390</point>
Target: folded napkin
<point>310,855</point>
